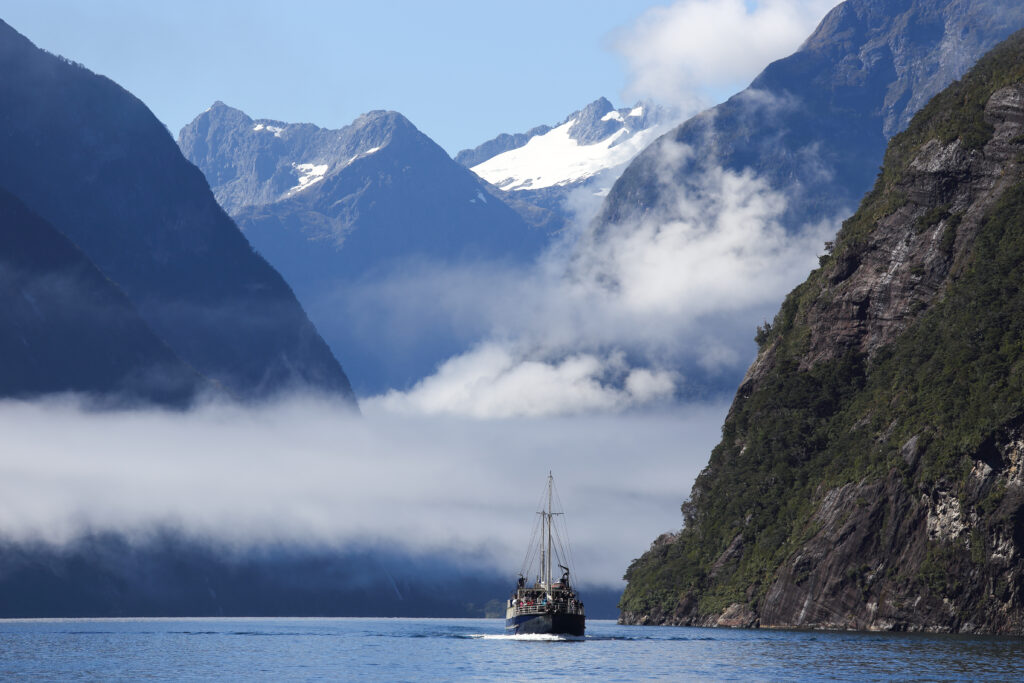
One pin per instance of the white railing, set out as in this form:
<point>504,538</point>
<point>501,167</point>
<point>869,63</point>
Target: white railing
<point>539,608</point>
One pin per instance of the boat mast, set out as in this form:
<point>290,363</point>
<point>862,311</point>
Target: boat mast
<point>547,568</point>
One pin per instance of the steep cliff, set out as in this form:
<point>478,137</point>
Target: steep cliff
<point>871,468</point>
<point>93,162</point>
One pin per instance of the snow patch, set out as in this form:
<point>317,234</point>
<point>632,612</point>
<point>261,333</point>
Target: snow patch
<point>556,159</point>
<point>309,174</point>
<point>637,111</point>
<point>362,154</point>
<point>276,130</point>
<point>612,116</point>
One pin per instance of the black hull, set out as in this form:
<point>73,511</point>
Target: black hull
<point>551,623</point>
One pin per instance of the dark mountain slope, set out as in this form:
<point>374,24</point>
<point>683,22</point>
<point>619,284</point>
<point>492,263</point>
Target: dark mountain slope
<point>66,327</point>
<point>94,162</point>
<point>870,470</point>
<point>815,124</point>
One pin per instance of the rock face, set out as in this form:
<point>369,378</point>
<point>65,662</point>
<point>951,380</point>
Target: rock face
<point>92,161</point>
<point>64,327</point>
<point>869,475</point>
<point>331,209</point>
<point>815,124</point>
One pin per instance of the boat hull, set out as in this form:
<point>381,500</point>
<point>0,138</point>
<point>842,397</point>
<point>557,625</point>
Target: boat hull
<point>553,623</point>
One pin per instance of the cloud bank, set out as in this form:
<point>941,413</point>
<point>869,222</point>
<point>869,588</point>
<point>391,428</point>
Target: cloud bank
<point>307,471</point>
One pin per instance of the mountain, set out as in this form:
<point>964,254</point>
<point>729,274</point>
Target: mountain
<point>869,473</point>
<point>93,162</point>
<point>815,124</point>
<point>588,147</point>
<point>349,200</point>
<point>332,208</point>
<point>64,327</point>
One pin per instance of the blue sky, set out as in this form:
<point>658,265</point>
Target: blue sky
<point>462,71</point>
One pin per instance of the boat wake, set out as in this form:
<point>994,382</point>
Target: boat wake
<point>528,636</point>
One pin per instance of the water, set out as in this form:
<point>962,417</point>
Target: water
<point>475,649</point>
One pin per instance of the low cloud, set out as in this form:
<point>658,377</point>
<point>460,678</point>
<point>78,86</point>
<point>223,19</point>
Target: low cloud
<point>307,471</point>
<point>640,313</point>
<point>491,381</point>
<point>692,52</point>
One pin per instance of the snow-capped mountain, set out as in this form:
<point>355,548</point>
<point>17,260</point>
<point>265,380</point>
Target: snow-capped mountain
<point>589,141</point>
<point>332,209</point>
<point>379,182</point>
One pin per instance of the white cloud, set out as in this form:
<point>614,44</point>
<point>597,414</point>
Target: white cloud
<point>606,322</point>
<point>304,470</point>
<point>491,381</point>
<point>693,51</point>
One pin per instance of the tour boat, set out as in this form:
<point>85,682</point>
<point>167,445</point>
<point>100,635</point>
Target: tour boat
<point>548,606</point>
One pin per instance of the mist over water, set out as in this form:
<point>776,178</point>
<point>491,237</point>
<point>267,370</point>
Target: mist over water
<point>306,471</point>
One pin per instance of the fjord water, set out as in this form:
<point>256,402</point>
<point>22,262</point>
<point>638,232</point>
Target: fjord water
<point>476,649</point>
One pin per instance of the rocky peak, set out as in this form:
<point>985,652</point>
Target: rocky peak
<point>593,122</point>
<point>253,162</point>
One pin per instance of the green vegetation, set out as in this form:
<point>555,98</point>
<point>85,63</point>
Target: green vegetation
<point>952,379</point>
<point>954,114</point>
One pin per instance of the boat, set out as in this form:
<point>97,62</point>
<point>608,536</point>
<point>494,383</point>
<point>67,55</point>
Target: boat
<point>548,606</point>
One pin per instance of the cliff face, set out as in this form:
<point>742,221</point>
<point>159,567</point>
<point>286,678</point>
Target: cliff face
<point>871,471</point>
